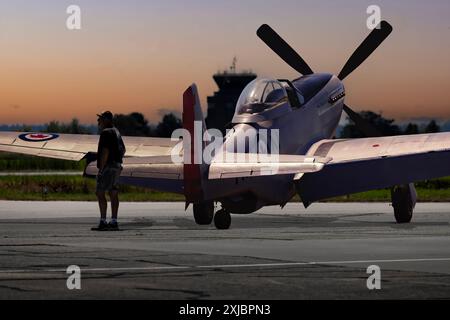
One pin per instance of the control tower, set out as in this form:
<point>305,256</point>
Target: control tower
<point>221,105</point>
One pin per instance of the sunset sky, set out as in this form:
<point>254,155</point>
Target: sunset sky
<point>138,55</point>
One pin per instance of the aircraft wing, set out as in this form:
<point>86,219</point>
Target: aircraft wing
<point>155,172</point>
<point>359,165</point>
<point>237,165</point>
<point>77,146</point>
<point>160,167</point>
<point>147,162</point>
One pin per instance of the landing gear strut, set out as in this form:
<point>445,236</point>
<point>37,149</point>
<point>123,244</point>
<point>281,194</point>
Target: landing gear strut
<point>403,201</point>
<point>204,213</point>
<point>222,219</point>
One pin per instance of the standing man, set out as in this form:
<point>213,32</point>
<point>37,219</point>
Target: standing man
<point>111,150</point>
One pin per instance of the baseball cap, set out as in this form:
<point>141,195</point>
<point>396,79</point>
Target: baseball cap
<point>106,115</point>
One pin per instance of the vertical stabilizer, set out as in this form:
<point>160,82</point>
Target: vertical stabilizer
<point>194,123</point>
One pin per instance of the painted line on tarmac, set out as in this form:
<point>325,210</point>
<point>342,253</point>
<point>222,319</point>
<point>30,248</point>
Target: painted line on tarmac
<point>226,266</point>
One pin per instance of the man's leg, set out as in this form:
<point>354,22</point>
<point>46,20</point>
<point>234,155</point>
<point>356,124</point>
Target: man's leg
<point>102,204</point>
<point>114,196</point>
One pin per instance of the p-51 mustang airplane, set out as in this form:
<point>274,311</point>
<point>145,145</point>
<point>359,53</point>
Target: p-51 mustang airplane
<point>306,111</point>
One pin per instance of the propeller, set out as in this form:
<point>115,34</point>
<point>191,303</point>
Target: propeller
<point>283,49</point>
<point>373,40</point>
<point>292,58</point>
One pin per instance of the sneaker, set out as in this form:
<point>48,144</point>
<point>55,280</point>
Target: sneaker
<point>102,226</point>
<point>113,226</point>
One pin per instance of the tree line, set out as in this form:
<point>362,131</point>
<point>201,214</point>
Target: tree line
<point>387,127</point>
<point>133,124</point>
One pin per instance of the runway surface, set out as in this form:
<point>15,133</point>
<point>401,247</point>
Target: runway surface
<point>319,253</point>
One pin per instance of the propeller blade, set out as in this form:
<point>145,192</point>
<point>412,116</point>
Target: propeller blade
<point>282,49</point>
<point>373,40</point>
<point>363,125</point>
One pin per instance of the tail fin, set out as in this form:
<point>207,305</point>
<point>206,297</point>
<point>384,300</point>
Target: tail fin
<point>191,103</point>
<point>194,123</point>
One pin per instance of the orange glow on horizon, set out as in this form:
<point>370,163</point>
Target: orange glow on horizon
<point>143,56</point>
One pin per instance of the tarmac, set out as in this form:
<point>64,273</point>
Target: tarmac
<point>160,253</point>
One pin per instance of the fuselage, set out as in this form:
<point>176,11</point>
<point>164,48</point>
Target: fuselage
<point>299,126</point>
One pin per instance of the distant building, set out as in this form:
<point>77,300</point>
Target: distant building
<point>221,105</point>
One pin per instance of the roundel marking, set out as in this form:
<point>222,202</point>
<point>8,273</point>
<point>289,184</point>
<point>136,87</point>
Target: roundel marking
<point>38,137</point>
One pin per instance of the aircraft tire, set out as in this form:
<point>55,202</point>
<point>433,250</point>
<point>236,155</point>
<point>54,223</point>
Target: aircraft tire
<point>204,213</point>
<point>222,220</point>
<point>403,208</point>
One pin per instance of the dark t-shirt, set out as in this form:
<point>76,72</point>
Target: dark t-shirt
<point>110,139</point>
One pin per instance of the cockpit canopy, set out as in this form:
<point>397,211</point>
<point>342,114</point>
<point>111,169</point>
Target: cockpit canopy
<point>260,95</point>
<point>262,99</point>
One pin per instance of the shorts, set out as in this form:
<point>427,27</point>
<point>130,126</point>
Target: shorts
<point>108,180</point>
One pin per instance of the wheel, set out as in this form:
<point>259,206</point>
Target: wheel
<point>222,220</point>
<point>403,207</point>
<point>204,213</point>
<point>403,214</point>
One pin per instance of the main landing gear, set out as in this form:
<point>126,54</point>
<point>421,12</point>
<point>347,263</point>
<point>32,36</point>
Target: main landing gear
<point>204,214</point>
<point>222,219</point>
<point>403,200</point>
